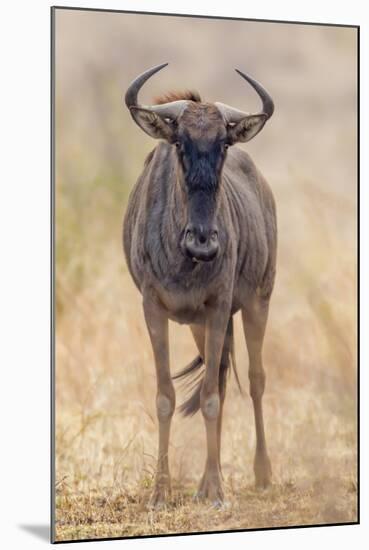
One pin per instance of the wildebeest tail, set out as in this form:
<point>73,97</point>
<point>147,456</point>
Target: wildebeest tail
<point>193,374</point>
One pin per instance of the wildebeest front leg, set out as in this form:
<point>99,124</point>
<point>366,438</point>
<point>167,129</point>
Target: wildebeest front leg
<point>157,324</point>
<point>254,322</point>
<point>216,325</point>
<point>198,332</point>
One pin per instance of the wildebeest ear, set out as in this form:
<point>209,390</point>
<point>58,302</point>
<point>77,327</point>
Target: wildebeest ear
<point>247,128</point>
<point>151,123</point>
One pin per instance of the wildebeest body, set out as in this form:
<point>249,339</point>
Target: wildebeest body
<point>154,226</point>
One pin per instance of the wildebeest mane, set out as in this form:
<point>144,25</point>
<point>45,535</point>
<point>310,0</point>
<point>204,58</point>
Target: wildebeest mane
<point>189,95</point>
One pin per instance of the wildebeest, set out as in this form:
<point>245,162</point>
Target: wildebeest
<point>200,241</point>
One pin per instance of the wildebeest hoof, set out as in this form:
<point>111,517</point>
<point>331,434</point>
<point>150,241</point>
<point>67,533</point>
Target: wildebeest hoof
<point>221,505</point>
<point>158,500</point>
<point>210,488</point>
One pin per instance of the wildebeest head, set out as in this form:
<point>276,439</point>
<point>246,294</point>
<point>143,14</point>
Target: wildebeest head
<point>201,133</point>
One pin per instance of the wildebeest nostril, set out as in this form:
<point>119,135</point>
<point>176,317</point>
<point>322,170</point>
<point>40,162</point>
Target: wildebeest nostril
<point>189,236</point>
<point>202,239</point>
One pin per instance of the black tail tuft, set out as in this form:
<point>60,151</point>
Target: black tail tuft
<point>193,374</point>
<point>192,380</point>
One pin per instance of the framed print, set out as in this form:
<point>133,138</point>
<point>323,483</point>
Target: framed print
<point>205,274</point>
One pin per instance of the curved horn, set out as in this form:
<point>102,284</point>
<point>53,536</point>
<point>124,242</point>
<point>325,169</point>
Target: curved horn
<point>268,105</point>
<point>166,110</point>
<point>233,115</point>
<point>230,114</point>
<point>136,85</point>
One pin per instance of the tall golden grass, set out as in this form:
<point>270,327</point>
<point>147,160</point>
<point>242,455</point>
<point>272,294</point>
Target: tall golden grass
<point>106,429</point>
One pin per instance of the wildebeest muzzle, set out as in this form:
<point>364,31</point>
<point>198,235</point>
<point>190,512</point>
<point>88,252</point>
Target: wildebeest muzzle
<point>201,243</point>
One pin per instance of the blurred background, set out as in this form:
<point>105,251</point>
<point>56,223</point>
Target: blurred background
<point>106,432</point>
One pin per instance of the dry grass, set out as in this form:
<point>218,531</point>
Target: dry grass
<point>106,429</point>
<point>126,515</point>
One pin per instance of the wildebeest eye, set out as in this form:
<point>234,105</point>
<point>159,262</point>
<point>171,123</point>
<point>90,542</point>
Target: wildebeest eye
<point>177,144</point>
<point>226,145</point>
